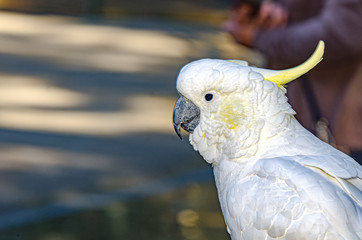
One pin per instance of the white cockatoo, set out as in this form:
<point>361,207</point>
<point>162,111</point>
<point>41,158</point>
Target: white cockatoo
<point>275,180</point>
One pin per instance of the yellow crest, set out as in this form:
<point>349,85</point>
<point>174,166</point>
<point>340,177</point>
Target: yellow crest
<point>282,77</point>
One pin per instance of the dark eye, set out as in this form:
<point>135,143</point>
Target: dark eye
<point>208,96</point>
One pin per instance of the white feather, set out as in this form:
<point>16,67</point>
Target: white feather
<point>275,180</point>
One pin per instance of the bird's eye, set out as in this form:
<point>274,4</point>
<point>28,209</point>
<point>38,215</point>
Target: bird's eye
<point>208,97</point>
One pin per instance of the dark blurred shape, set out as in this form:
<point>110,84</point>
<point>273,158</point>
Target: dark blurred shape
<point>191,213</point>
<point>211,12</point>
<point>66,7</point>
<point>114,7</point>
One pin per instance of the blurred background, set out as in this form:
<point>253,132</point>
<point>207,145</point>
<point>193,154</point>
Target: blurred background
<point>87,147</point>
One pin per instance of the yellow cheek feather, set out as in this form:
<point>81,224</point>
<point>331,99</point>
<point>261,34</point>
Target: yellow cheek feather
<point>231,114</point>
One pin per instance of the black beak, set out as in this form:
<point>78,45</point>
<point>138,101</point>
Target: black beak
<point>185,115</point>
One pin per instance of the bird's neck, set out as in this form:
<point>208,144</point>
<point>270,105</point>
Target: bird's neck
<point>244,144</point>
<point>271,143</point>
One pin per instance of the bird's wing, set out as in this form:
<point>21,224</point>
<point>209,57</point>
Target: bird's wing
<point>281,198</point>
<point>316,155</point>
<point>340,168</point>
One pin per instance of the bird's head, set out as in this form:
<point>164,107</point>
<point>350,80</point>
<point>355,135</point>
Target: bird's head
<point>225,105</point>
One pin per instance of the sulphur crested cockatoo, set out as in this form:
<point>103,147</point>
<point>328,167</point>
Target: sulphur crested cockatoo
<point>275,180</point>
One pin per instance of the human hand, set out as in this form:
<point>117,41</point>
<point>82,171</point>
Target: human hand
<point>243,24</point>
<point>272,15</point>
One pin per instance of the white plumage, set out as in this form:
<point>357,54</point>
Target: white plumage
<point>275,180</point>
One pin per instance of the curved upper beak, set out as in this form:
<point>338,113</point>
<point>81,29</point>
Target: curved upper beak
<point>185,115</point>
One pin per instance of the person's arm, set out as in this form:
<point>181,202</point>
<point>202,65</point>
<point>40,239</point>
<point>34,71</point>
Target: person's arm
<point>339,24</point>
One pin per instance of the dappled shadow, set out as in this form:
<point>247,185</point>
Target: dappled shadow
<point>69,129</point>
<point>86,108</point>
<point>41,167</point>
